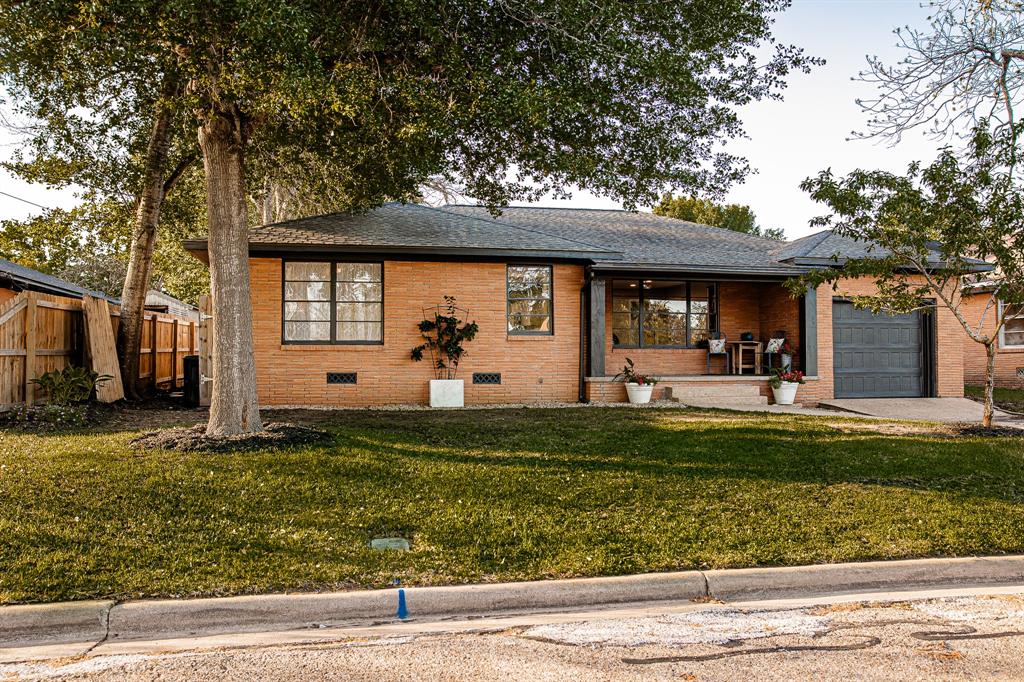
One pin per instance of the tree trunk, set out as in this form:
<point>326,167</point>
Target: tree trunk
<point>140,263</point>
<point>990,383</point>
<point>233,408</point>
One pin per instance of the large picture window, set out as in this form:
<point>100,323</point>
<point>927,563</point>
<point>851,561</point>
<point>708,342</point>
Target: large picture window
<point>333,302</point>
<point>530,300</point>
<point>1012,334</point>
<point>662,313</point>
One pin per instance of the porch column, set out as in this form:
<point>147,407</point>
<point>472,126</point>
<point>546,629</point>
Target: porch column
<point>596,327</point>
<point>809,332</point>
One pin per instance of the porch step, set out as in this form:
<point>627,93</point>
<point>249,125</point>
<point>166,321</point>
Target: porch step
<point>724,403</point>
<point>682,391</point>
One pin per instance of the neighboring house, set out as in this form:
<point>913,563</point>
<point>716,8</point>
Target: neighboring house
<point>159,302</point>
<point>16,278</point>
<point>977,302</point>
<point>562,297</point>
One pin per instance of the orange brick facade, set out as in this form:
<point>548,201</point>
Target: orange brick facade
<point>1008,360</point>
<point>533,368</point>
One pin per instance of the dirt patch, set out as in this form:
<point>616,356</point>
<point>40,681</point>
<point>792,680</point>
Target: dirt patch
<point>988,432</point>
<point>889,428</point>
<point>194,439</point>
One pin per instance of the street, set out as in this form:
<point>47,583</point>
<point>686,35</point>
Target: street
<point>975,636</point>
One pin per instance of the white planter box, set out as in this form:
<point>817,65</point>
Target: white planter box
<point>639,394</point>
<point>786,393</point>
<point>447,393</point>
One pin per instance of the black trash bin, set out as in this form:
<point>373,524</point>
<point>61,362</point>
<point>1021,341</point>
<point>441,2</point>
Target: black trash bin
<point>191,388</point>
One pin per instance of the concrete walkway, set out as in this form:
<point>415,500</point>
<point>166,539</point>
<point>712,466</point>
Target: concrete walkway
<point>948,410</point>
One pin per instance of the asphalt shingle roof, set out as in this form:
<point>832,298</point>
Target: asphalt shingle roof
<point>827,245</point>
<point>27,278</point>
<point>645,238</point>
<point>412,226</point>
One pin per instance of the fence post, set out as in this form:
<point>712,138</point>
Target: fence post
<point>30,347</point>
<point>154,351</point>
<point>174,354</point>
<point>205,350</point>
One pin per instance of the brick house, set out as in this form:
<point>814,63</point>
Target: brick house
<point>562,297</point>
<point>978,301</point>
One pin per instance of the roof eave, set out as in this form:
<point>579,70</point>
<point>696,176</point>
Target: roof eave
<point>782,271</point>
<point>199,249</point>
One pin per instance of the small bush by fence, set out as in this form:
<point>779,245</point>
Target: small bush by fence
<point>40,333</point>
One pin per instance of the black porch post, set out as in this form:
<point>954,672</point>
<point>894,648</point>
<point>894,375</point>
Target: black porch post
<point>809,332</point>
<point>596,326</point>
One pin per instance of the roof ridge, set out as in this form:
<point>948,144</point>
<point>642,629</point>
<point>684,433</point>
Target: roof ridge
<point>523,228</point>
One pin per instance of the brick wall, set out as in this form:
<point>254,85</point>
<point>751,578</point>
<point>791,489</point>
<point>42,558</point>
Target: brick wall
<point>1007,359</point>
<point>533,369</point>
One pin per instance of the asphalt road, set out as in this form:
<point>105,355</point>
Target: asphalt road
<point>975,637</point>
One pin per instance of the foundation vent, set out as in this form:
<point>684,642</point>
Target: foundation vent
<point>341,377</point>
<point>492,378</point>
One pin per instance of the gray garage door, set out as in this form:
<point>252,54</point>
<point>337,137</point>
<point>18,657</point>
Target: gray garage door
<point>876,356</point>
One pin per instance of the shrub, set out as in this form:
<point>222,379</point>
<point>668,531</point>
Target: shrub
<point>70,385</point>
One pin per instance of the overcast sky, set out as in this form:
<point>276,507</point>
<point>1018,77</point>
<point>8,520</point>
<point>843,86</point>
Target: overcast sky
<point>806,132</point>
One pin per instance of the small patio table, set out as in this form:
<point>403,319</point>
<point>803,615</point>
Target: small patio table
<point>738,350</point>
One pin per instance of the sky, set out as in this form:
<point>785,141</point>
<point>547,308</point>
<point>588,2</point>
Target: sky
<point>788,140</point>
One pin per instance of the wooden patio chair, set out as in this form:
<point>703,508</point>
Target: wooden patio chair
<point>774,349</point>
<point>717,347</point>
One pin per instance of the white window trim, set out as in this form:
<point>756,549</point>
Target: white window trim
<point>1002,330</point>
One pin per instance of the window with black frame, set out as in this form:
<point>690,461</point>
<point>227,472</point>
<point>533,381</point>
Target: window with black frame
<point>333,302</point>
<point>662,313</point>
<point>530,300</point>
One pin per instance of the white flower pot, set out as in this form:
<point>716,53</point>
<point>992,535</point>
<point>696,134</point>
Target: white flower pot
<point>786,393</point>
<point>639,394</point>
<point>447,393</point>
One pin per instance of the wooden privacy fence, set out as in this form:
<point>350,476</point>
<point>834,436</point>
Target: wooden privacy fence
<point>40,333</point>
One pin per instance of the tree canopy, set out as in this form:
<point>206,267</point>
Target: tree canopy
<point>735,217</point>
<point>934,224</point>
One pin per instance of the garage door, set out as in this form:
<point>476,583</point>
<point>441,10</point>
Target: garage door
<point>877,356</point>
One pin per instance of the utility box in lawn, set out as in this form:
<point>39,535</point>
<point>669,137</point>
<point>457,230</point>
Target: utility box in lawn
<point>191,387</point>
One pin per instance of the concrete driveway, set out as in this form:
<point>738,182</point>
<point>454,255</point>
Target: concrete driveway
<point>948,410</point>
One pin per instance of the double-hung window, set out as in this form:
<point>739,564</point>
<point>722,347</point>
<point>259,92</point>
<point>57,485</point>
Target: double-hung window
<point>662,313</point>
<point>529,292</point>
<point>1012,333</point>
<point>333,302</point>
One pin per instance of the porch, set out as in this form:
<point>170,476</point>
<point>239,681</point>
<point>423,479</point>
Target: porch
<point>663,321</point>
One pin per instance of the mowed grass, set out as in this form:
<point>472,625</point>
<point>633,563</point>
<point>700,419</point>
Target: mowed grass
<point>1006,398</point>
<point>493,495</point>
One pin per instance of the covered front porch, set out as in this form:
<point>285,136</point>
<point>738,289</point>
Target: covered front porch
<point>663,321</point>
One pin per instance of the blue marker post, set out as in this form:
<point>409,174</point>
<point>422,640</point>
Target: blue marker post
<point>403,612</point>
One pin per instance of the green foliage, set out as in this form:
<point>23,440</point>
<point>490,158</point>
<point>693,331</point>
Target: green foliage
<point>629,375</point>
<point>70,385</point>
<point>48,417</point>
<point>486,496</point>
<point>444,335</point>
<point>933,222</point>
<point>735,217</point>
<point>516,99</point>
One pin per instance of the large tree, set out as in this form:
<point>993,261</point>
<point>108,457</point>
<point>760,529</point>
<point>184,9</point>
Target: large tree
<point>517,98</point>
<point>735,217</point>
<point>968,65</point>
<point>926,232</point>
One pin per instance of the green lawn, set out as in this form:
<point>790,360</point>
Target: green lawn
<point>1007,398</point>
<point>493,495</point>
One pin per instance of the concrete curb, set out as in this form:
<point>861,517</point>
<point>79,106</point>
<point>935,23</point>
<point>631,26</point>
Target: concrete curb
<point>93,622</point>
<point>39,624</point>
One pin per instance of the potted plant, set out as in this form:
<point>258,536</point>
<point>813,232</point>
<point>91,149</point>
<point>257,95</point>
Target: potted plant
<point>784,385</point>
<point>638,386</point>
<point>443,336</point>
<point>786,353</point>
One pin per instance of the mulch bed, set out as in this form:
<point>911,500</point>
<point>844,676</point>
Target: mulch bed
<point>194,439</point>
<point>979,430</point>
